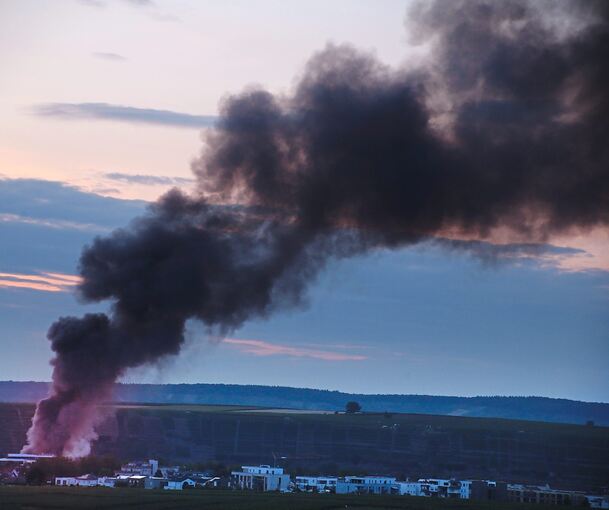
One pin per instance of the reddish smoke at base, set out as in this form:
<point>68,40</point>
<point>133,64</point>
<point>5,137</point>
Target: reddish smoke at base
<point>78,418</point>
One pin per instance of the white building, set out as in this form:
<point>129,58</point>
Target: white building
<point>441,488</point>
<point>66,480</point>
<point>87,481</point>
<point>409,488</point>
<point>170,471</point>
<point>261,478</point>
<point>598,501</point>
<point>141,468</point>
<point>466,489</point>
<point>365,485</point>
<point>22,458</point>
<point>106,481</point>
<point>179,483</point>
<point>80,481</point>
<point>316,483</point>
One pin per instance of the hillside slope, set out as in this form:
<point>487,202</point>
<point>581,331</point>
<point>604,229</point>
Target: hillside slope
<point>405,445</point>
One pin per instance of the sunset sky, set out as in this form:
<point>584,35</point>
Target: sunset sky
<point>102,108</point>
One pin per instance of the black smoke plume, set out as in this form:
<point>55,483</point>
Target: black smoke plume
<point>504,128</point>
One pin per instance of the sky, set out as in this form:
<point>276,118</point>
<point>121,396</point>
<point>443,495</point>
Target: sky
<point>102,108</point>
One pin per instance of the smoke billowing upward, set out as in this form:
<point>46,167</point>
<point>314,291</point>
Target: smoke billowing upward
<point>505,128</point>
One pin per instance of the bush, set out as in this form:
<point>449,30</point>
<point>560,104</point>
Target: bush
<point>352,407</point>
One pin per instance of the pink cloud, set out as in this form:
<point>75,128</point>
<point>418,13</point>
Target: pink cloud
<point>262,348</point>
<point>44,282</point>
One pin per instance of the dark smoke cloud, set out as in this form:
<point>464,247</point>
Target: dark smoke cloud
<point>495,254</point>
<point>505,128</point>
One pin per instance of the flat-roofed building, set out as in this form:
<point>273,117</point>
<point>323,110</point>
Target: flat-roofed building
<point>261,478</point>
<point>366,485</point>
<point>141,468</point>
<point>23,458</point>
<point>316,483</point>
<point>408,488</point>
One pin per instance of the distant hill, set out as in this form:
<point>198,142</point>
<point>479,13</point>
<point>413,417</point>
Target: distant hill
<point>523,408</point>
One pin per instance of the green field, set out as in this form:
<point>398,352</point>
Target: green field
<point>373,420</point>
<point>42,498</point>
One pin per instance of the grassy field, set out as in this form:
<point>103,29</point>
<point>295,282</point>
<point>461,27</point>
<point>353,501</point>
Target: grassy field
<point>74,498</point>
<point>194,408</point>
<point>371,420</point>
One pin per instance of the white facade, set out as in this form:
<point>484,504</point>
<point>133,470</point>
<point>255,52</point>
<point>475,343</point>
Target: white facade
<point>409,488</point>
<point>262,470</point>
<point>106,481</point>
<point>65,480</point>
<point>366,485</point>
<point>87,481</point>
<point>261,478</point>
<point>466,489</point>
<point>433,486</point>
<point>316,483</point>
<point>80,481</point>
<point>442,488</point>
<point>23,458</point>
<point>598,501</point>
<point>141,468</point>
<point>379,480</point>
<point>178,484</point>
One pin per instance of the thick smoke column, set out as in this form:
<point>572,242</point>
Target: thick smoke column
<point>505,128</point>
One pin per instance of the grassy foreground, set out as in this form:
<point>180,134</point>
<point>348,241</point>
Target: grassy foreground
<point>39,498</point>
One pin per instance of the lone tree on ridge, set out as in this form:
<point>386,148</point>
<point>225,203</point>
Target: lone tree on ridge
<point>352,407</point>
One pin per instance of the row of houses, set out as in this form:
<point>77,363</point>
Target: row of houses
<point>145,474</point>
<point>149,475</point>
<point>454,489</point>
<point>146,482</point>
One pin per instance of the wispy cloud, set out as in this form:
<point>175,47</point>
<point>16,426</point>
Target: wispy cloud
<point>148,180</point>
<point>146,7</point>
<point>52,223</point>
<point>44,281</point>
<point>113,57</point>
<point>93,3</point>
<point>120,113</point>
<point>140,3</point>
<point>344,346</point>
<point>262,348</point>
<point>102,3</point>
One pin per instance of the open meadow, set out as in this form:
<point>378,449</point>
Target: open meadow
<point>74,498</point>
